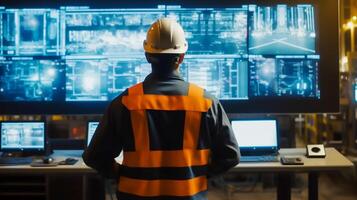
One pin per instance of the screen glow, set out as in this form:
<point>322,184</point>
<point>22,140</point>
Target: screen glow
<point>255,133</point>
<point>83,54</point>
<point>22,135</point>
<point>92,126</point>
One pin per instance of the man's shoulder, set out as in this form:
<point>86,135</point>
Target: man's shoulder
<point>206,94</point>
<point>210,96</point>
<point>118,100</point>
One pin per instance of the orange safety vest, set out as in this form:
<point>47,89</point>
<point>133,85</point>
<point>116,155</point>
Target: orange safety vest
<point>194,104</point>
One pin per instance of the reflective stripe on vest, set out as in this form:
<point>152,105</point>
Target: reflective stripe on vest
<point>194,104</point>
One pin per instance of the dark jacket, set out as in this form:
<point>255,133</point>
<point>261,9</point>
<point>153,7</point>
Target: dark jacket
<point>115,134</point>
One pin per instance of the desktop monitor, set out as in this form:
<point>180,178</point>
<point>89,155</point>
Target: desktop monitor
<point>256,135</point>
<point>255,56</point>
<point>22,136</point>
<point>91,127</point>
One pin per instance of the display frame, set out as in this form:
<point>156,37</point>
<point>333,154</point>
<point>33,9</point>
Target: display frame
<point>87,139</point>
<point>327,45</point>
<point>260,150</point>
<point>30,150</point>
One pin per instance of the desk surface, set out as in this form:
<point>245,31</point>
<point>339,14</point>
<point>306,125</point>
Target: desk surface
<point>334,161</point>
<point>78,168</point>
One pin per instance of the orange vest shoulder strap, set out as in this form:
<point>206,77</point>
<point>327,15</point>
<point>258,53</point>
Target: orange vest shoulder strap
<point>136,90</point>
<point>195,91</point>
<point>194,101</point>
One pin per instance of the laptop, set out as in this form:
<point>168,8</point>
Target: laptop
<point>21,138</point>
<point>258,139</point>
<point>91,127</point>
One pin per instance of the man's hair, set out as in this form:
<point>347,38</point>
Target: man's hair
<point>162,63</point>
<point>162,59</point>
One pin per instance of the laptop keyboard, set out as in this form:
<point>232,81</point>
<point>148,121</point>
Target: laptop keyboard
<point>259,159</point>
<point>15,160</point>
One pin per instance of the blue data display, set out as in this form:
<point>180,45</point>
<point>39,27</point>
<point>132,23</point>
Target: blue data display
<point>102,79</point>
<point>116,32</point>
<point>22,135</point>
<point>283,76</point>
<point>29,32</point>
<point>213,31</point>
<point>29,79</point>
<point>282,30</point>
<point>226,78</point>
<point>86,54</point>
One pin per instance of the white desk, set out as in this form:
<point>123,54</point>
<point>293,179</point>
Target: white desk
<point>78,168</point>
<point>334,161</point>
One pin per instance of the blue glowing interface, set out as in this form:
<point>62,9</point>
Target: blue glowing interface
<point>78,54</point>
<point>31,79</point>
<point>92,126</point>
<point>22,135</point>
<point>256,133</point>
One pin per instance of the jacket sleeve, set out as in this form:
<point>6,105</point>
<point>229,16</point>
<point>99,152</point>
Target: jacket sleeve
<point>106,144</point>
<point>224,147</point>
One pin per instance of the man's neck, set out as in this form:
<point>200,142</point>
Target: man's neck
<point>163,71</point>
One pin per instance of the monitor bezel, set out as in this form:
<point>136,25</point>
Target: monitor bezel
<point>327,23</point>
<point>26,150</point>
<point>254,150</point>
<point>354,93</point>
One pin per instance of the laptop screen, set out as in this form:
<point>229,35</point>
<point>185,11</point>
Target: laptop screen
<point>92,126</point>
<point>256,134</point>
<point>22,136</point>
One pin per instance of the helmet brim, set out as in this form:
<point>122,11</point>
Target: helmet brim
<point>181,50</point>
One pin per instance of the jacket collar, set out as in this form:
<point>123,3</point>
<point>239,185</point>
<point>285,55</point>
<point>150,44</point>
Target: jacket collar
<point>174,75</point>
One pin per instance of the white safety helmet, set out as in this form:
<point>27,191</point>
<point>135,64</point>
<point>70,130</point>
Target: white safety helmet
<point>165,36</point>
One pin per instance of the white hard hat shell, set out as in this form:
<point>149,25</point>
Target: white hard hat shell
<point>165,36</point>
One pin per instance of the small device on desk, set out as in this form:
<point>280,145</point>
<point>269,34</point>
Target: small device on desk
<point>291,160</point>
<point>258,139</point>
<point>20,140</point>
<point>68,161</point>
<point>315,151</point>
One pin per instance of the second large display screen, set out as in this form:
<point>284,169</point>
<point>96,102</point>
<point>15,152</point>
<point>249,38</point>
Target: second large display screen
<point>75,55</point>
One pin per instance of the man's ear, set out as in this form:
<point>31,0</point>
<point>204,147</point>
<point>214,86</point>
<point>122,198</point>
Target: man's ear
<point>181,57</point>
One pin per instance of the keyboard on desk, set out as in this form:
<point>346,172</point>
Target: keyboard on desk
<point>259,159</point>
<point>15,160</point>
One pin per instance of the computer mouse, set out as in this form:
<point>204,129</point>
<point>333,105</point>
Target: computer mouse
<point>70,161</point>
<point>315,149</point>
<point>47,160</point>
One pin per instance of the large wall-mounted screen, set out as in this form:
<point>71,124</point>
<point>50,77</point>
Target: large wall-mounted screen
<point>255,57</point>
